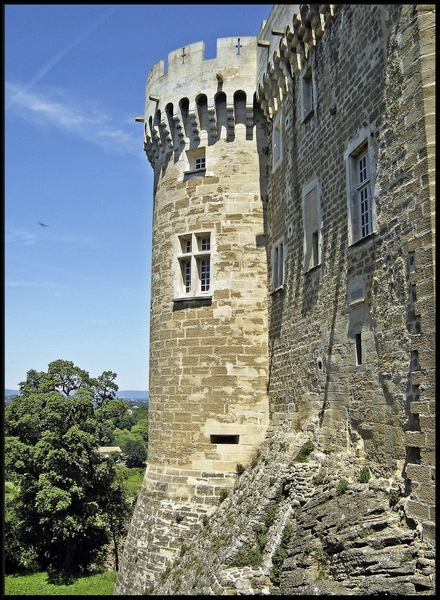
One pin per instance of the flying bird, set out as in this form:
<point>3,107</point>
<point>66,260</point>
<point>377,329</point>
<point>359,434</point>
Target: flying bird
<point>42,224</point>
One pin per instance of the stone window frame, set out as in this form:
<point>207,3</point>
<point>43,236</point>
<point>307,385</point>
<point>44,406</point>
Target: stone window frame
<point>194,259</point>
<point>360,152</point>
<point>308,92</point>
<point>277,141</point>
<point>195,162</point>
<point>312,230</point>
<point>278,264</point>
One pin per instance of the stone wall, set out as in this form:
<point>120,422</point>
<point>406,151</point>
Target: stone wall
<point>320,322</point>
<point>373,84</point>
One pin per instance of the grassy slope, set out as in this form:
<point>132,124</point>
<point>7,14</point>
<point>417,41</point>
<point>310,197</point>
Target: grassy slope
<point>38,584</point>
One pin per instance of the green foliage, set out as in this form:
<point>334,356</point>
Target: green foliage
<point>304,452</point>
<point>393,497</point>
<point>70,500</point>
<point>255,458</point>
<point>280,554</point>
<point>111,415</point>
<point>42,584</point>
<point>223,495</point>
<point>341,488</point>
<point>239,469</point>
<point>248,557</point>
<point>364,475</point>
<point>179,518</point>
<point>184,549</point>
<point>135,453</point>
<point>407,557</point>
<point>318,479</point>
<point>270,516</point>
<point>366,532</point>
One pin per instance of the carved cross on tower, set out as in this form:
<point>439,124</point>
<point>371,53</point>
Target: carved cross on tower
<point>183,54</point>
<point>238,46</point>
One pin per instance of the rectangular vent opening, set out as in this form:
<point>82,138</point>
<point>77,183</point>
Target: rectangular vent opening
<point>224,439</point>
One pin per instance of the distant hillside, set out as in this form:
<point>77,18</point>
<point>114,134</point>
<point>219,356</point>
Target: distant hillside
<point>126,394</point>
<point>133,395</point>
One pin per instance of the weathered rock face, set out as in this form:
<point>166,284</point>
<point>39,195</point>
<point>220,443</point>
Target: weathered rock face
<point>295,528</point>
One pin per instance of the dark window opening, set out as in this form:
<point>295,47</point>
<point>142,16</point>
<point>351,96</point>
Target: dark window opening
<point>224,439</point>
<point>358,349</point>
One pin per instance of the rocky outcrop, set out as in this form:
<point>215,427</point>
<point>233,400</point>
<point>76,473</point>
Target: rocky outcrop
<point>299,522</point>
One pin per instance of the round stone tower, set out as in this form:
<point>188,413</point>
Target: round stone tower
<point>208,405</point>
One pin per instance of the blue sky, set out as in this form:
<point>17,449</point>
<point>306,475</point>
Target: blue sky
<point>79,288</point>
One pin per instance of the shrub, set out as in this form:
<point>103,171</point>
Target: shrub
<point>341,488</point>
<point>248,557</point>
<point>239,469</point>
<point>393,497</point>
<point>317,479</point>
<point>305,451</point>
<point>255,458</point>
<point>223,495</point>
<point>364,475</point>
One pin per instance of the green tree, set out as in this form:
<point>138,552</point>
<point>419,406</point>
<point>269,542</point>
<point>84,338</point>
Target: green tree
<point>135,453</point>
<point>111,415</point>
<point>105,387</point>
<point>62,376</point>
<point>70,501</point>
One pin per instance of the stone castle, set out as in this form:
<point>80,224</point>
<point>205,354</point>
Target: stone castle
<point>293,270</point>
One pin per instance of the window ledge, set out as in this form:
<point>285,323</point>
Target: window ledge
<point>194,173</point>
<point>357,302</point>
<point>314,268</point>
<point>192,299</point>
<point>368,237</point>
<point>277,290</point>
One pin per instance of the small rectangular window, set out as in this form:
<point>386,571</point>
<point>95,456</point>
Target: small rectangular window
<point>200,163</point>
<point>308,98</point>
<point>195,162</point>
<point>278,265</point>
<point>277,144</point>
<point>312,225</point>
<point>315,248</point>
<point>358,342</point>
<point>224,439</point>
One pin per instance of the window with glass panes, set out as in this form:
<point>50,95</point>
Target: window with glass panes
<point>364,195</point>
<point>195,263</point>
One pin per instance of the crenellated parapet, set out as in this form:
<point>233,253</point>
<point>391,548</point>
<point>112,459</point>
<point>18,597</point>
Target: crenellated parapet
<point>198,101</point>
<point>297,39</point>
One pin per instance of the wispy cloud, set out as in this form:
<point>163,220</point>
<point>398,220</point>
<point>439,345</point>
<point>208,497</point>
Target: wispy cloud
<point>20,236</point>
<point>51,108</point>
<point>37,284</point>
<point>56,59</point>
<point>26,238</point>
